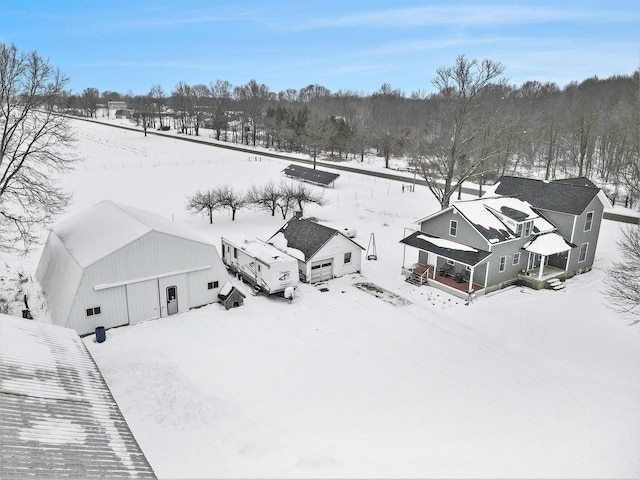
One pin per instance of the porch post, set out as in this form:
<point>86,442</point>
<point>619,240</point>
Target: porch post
<point>471,279</point>
<point>541,270</point>
<point>435,267</point>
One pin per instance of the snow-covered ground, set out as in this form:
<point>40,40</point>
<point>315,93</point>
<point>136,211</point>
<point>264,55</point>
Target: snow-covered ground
<point>342,383</point>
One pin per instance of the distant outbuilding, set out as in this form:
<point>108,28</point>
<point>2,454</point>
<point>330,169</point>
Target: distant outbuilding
<point>114,265</point>
<point>311,175</point>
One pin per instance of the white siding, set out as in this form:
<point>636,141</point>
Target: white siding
<point>143,301</point>
<point>59,277</point>
<point>334,250</point>
<point>151,258</point>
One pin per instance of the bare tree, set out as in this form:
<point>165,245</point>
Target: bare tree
<point>143,106</point>
<point>265,197</point>
<point>181,97</point>
<point>204,201</point>
<point>33,147</point>
<point>220,99</point>
<point>156,93</point>
<point>254,98</point>
<point>623,278</point>
<point>455,147</point>
<point>90,98</point>
<point>298,194</point>
<point>226,197</point>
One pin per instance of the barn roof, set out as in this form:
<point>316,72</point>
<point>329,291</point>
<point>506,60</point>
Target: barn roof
<point>308,236</point>
<point>571,195</point>
<point>108,226</point>
<point>59,418</point>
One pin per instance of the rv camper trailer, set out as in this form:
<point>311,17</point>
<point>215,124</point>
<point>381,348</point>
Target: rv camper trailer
<point>260,264</point>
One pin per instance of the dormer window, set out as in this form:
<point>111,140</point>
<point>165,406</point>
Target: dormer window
<point>519,230</point>
<point>527,229</point>
<point>453,228</point>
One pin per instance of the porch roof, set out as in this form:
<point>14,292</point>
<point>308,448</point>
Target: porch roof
<point>448,249</point>
<point>548,244</point>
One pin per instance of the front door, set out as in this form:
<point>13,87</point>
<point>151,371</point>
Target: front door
<point>172,300</point>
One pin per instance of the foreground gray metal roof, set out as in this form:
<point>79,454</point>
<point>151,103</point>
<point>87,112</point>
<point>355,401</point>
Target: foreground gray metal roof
<point>58,418</point>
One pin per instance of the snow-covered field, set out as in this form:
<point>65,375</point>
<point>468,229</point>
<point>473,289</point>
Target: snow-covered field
<point>520,384</point>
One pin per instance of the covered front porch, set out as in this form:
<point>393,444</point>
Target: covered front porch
<point>547,260</point>
<point>449,266</point>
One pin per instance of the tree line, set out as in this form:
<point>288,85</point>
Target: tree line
<point>271,197</point>
<point>475,126</point>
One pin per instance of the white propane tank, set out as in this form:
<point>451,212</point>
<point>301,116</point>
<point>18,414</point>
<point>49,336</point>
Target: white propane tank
<point>349,232</point>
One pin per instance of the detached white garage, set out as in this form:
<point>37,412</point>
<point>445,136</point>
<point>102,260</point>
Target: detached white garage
<point>323,252</point>
<point>114,265</point>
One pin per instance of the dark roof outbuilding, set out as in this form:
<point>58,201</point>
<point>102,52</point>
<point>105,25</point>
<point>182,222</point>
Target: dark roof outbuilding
<point>308,236</point>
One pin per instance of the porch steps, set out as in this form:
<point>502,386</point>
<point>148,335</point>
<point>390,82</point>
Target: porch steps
<point>418,275</point>
<point>556,284</point>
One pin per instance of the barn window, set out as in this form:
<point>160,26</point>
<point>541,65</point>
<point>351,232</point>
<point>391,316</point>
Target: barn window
<point>212,285</point>
<point>347,257</point>
<point>93,311</point>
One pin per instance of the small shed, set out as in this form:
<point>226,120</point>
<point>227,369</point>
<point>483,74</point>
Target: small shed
<point>59,419</point>
<point>230,296</point>
<point>324,252</point>
<point>114,265</point>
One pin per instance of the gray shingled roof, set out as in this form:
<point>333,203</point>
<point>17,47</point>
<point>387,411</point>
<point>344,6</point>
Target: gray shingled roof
<point>571,195</point>
<point>464,255</point>
<point>58,418</point>
<point>307,236</point>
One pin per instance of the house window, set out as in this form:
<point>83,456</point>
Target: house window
<point>516,258</point>
<point>588,222</point>
<point>527,229</point>
<point>519,230</point>
<point>212,285</point>
<point>503,263</point>
<point>93,311</point>
<point>347,257</point>
<point>235,253</point>
<point>453,228</point>
<point>582,256</point>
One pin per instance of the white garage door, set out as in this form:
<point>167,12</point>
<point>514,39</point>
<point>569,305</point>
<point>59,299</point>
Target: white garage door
<point>322,270</point>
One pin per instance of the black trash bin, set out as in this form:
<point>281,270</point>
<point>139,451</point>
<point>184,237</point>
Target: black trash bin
<point>101,334</point>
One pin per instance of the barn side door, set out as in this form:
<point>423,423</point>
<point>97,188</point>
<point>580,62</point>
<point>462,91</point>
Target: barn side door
<point>172,300</point>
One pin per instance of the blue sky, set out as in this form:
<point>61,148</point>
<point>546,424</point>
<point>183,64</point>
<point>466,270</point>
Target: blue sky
<point>343,45</point>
